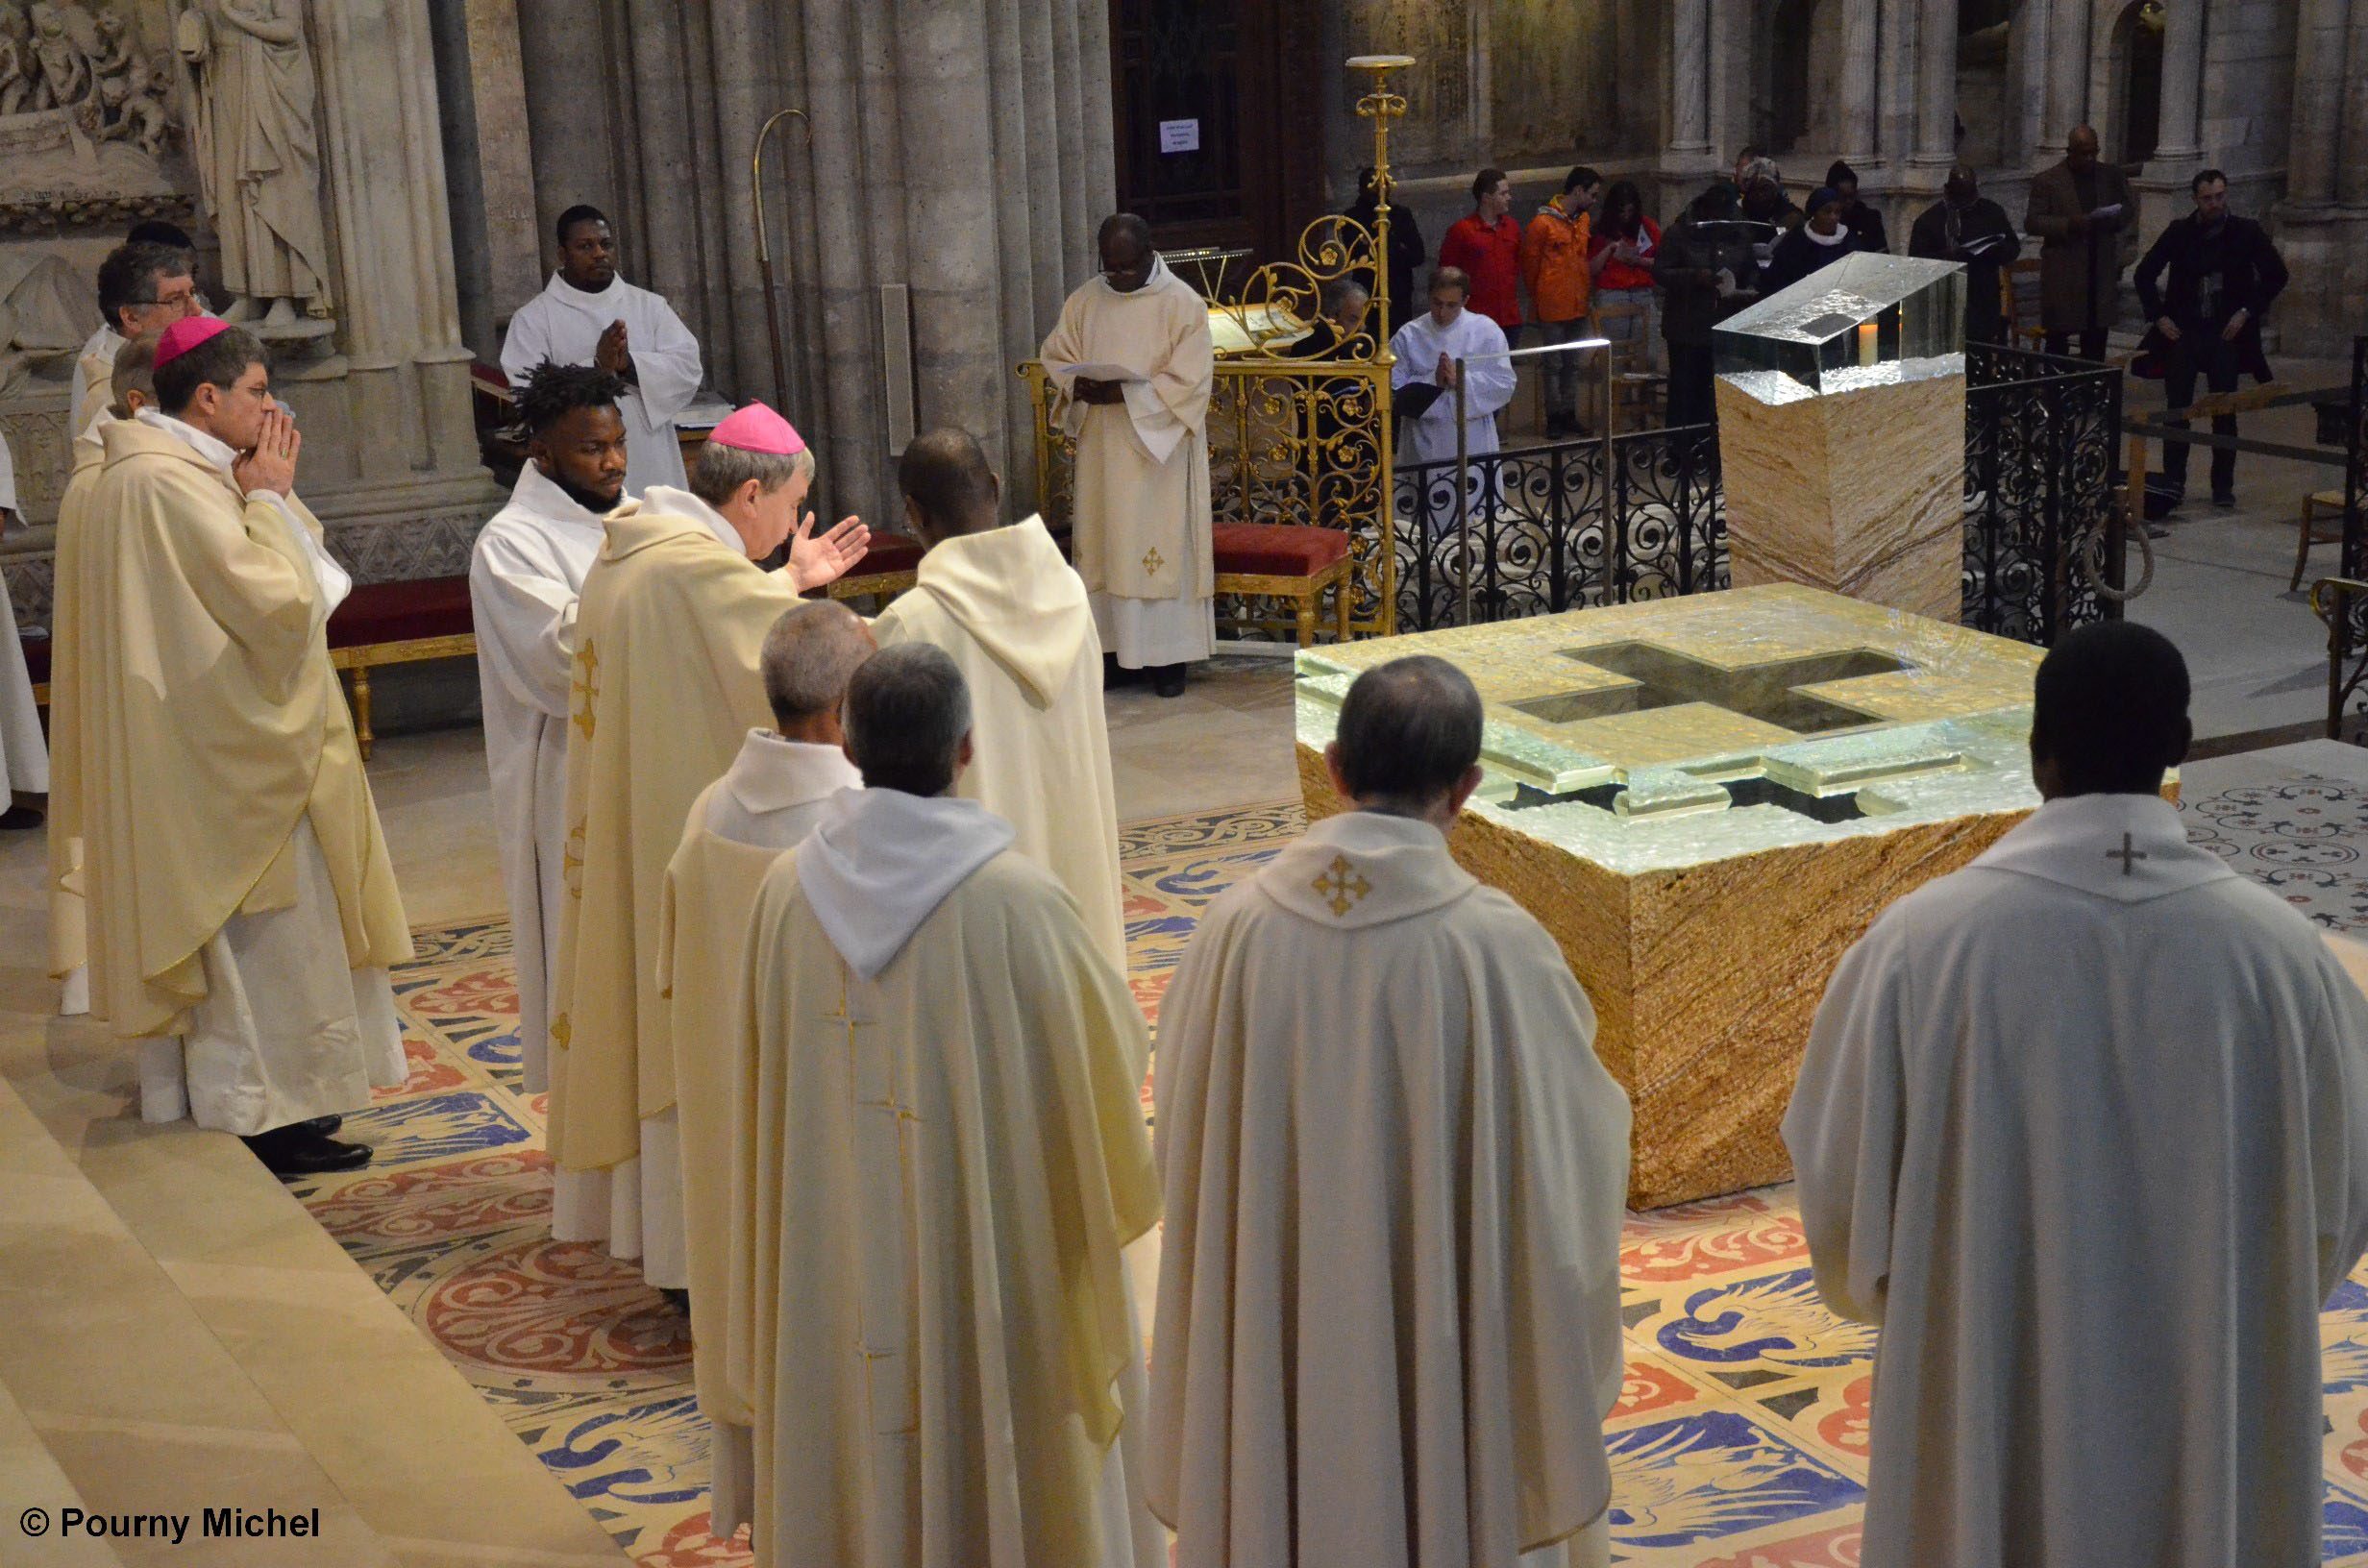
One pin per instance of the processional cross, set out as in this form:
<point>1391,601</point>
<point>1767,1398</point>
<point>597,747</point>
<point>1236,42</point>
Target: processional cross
<point>2127,856</point>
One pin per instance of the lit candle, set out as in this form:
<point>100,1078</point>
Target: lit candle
<point>1866,342</point>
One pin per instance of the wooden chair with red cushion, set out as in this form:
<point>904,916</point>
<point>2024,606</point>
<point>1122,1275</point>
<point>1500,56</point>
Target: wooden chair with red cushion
<point>397,623</point>
<point>1296,561</point>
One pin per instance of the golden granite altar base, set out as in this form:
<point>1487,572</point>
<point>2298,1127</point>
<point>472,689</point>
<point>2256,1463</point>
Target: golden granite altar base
<point>1706,800</point>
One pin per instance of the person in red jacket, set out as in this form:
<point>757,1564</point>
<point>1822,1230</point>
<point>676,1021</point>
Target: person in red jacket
<point>1486,245</point>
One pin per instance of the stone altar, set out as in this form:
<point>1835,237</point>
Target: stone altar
<point>1841,433</point>
<point>1706,800</point>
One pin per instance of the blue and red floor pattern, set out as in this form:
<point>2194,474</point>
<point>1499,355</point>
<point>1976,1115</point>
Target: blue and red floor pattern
<point>1741,1437</point>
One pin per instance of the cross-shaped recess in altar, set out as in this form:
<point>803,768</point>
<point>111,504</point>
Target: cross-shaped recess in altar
<point>1660,678</point>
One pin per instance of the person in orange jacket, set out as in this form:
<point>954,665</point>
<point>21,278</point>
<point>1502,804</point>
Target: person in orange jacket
<point>1554,265</point>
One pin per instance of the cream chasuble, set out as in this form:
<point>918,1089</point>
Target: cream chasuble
<point>1143,536</point>
<point>525,572</point>
<point>1394,1172</point>
<point>666,686</point>
<point>1013,618</point>
<point>94,371</point>
<point>563,323</point>
<point>239,888</point>
<point>930,1308</point>
<point>773,793</point>
<point>2083,1127</point>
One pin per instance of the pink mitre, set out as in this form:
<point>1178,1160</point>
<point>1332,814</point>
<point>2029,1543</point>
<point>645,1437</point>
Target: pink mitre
<point>759,428</point>
<point>185,334</point>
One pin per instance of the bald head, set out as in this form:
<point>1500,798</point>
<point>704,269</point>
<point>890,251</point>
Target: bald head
<point>809,657</point>
<point>1127,255</point>
<point>132,385</point>
<point>1408,742</point>
<point>908,720</point>
<point>949,488</point>
<point>2108,712</point>
<point>2081,147</point>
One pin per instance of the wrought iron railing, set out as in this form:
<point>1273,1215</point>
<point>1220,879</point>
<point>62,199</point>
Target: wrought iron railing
<point>2342,600</point>
<point>2044,523</point>
<point>2044,532</point>
<point>1538,537</point>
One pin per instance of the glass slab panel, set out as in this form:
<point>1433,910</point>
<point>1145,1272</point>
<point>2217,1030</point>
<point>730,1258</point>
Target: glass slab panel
<point>1867,320</point>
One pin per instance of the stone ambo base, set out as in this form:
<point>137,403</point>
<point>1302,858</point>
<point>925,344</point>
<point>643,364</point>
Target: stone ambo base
<point>1706,800</point>
<point>1861,492</point>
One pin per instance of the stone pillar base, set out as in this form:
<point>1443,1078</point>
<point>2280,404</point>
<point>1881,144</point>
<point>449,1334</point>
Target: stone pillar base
<point>1860,492</point>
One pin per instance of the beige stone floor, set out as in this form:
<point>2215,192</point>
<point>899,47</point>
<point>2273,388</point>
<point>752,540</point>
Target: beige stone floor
<point>176,1331</point>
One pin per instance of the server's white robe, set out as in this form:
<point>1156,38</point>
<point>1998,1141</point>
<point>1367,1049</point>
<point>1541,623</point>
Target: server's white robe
<point>1487,386</point>
<point>773,793</point>
<point>524,573</point>
<point>563,323</point>
<point>1394,1173</point>
<point>2085,1128</point>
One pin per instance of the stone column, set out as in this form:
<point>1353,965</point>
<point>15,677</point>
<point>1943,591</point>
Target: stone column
<point>2067,76</point>
<point>2026,91</point>
<point>1690,80</point>
<point>2181,138</point>
<point>1862,33</point>
<point>1730,79</point>
<point>2319,39</point>
<point>1936,85</point>
<point>406,369</point>
<point>2351,176</point>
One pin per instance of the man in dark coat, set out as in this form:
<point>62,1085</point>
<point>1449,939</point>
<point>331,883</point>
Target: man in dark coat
<point>1407,252</point>
<point>1965,226</point>
<point>1706,274</point>
<point>2224,273</point>
<point>2086,218</point>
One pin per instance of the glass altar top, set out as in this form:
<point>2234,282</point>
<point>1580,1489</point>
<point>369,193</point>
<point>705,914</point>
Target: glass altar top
<point>1682,731</point>
<point>1867,320</point>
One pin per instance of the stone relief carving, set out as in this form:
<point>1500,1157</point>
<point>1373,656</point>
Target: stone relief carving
<point>90,123</point>
<point>258,154</point>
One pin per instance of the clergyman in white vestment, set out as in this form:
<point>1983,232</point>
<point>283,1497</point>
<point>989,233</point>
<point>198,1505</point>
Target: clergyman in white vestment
<point>143,287</point>
<point>587,315</point>
<point>1131,365</point>
<point>776,791</point>
<point>526,572</point>
<point>24,755</point>
<point>1425,349</point>
<point>242,897</point>
<point>1394,1173</point>
<point>930,1314</point>
<point>1013,616</point>
<point>2083,1127</point>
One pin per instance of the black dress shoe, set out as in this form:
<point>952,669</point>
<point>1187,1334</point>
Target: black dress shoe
<point>2225,499</point>
<point>296,1150</point>
<point>679,1300</point>
<point>323,1125</point>
<point>17,818</point>
<point>1115,674</point>
<point>1166,679</point>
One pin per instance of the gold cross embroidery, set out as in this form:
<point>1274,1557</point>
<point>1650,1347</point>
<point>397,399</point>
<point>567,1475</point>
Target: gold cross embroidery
<point>1341,886</point>
<point>1152,561</point>
<point>586,687</point>
<point>571,859</point>
<point>560,1031</point>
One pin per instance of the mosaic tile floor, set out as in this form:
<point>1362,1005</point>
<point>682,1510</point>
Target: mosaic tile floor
<point>1741,1437</point>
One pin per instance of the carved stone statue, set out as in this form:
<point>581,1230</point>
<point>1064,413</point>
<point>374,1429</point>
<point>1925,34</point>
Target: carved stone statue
<point>258,156</point>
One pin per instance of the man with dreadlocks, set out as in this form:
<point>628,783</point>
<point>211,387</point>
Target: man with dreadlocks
<point>524,576</point>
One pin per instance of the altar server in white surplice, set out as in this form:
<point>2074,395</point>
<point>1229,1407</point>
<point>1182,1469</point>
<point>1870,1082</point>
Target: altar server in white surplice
<point>1426,349</point>
<point>1131,362</point>
<point>1389,1324</point>
<point>2085,1128</point>
<point>945,1159</point>
<point>776,791</point>
<point>587,315</point>
<point>524,573</point>
<point>1013,616</point>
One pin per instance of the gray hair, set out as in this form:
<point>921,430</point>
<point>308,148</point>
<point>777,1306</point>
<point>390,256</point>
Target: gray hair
<point>1408,730</point>
<point>908,710</point>
<point>808,656</point>
<point>722,470</point>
